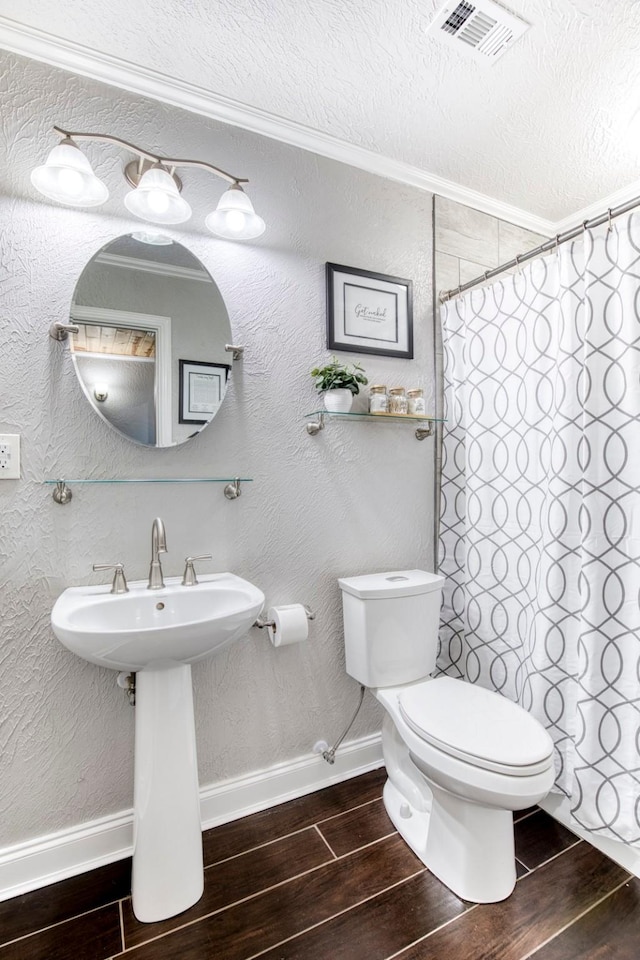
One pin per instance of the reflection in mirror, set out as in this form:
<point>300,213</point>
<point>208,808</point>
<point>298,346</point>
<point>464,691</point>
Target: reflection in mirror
<point>150,348</point>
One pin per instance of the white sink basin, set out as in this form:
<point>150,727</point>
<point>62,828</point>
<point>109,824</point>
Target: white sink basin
<point>131,630</point>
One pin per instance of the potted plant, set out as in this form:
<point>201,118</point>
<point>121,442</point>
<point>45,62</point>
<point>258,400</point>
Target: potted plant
<point>339,383</point>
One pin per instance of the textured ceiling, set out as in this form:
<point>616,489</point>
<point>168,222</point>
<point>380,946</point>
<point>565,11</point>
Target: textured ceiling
<point>551,128</point>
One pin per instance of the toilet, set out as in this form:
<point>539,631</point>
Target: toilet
<point>459,758</point>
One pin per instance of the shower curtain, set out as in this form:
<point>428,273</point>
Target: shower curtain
<point>540,509</point>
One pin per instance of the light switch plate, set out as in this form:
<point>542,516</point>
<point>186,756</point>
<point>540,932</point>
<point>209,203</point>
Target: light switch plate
<point>9,456</point>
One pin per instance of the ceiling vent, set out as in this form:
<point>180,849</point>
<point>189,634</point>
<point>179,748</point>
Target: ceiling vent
<point>482,29</point>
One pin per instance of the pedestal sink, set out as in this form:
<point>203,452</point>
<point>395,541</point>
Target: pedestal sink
<point>158,634</point>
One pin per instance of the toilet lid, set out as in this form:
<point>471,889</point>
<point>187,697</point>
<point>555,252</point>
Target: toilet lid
<point>477,725</point>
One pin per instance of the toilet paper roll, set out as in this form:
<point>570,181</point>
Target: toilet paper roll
<point>290,624</point>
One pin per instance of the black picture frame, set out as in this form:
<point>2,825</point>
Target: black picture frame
<point>201,389</point>
<point>369,312</point>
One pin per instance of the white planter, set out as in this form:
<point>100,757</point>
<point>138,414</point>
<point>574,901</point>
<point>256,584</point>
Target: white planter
<point>338,401</point>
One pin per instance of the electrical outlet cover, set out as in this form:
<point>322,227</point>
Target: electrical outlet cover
<point>10,456</point>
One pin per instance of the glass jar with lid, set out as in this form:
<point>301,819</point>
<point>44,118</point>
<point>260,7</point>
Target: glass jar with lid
<point>378,400</point>
<point>398,400</point>
<point>416,402</point>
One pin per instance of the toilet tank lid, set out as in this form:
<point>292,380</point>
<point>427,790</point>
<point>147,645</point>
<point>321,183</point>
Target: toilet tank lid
<point>397,583</point>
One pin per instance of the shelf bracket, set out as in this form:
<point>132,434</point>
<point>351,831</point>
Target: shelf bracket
<point>423,432</point>
<point>232,490</point>
<point>61,493</point>
<point>315,426</point>
<point>235,351</point>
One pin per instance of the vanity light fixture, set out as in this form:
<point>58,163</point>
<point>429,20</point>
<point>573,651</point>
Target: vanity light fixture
<point>67,177</point>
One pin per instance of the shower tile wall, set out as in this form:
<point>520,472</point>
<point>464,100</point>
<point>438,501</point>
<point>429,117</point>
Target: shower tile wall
<point>466,243</point>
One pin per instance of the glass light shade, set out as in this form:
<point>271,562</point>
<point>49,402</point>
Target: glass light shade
<point>156,199</point>
<point>234,217</point>
<point>67,177</point>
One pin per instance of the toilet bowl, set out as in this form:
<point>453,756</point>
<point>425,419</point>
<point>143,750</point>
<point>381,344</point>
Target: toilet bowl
<point>459,758</point>
<point>470,780</point>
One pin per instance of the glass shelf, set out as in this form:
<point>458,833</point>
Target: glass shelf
<point>62,493</point>
<point>423,430</point>
<point>158,480</point>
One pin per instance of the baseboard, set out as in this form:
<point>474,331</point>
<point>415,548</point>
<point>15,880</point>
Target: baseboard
<point>44,860</point>
<point>624,854</point>
<point>237,798</point>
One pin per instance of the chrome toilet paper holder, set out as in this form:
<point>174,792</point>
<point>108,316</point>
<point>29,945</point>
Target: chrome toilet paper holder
<point>261,623</point>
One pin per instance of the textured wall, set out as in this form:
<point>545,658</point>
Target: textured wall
<point>356,498</point>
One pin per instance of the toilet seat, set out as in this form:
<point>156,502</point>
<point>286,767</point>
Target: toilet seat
<point>476,725</point>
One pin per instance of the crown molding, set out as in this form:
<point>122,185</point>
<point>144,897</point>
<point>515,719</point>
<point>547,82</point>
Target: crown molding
<point>156,267</point>
<point>617,199</point>
<point>74,57</point>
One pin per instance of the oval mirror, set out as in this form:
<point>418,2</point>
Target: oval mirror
<point>150,349</point>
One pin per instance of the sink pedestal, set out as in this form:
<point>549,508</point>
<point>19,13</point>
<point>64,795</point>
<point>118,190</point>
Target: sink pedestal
<point>168,872</point>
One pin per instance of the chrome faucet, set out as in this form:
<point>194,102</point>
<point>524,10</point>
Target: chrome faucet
<point>158,546</point>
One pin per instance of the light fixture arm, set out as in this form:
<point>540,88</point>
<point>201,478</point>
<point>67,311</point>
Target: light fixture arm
<point>169,162</point>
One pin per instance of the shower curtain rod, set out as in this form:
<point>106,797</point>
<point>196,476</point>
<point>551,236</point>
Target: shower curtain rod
<point>543,248</point>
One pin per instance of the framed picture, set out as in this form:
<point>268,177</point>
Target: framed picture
<point>369,312</point>
<point>201,389</point>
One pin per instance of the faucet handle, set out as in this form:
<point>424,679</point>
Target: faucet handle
<point>119,584</point>
<point>189,579</point>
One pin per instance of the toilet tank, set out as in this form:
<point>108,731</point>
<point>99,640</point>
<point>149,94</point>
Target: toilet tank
<point>391,626</point>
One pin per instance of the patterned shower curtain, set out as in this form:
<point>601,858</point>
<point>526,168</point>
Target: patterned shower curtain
<point>540,509</point>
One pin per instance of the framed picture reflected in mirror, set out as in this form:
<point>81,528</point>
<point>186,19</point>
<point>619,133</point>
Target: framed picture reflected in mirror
<point>201,389</point>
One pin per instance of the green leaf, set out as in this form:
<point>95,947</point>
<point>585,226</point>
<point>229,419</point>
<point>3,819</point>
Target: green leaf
<point>336,375</point>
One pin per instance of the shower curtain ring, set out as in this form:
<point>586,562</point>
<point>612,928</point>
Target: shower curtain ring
<point>610,227</point>
<point>557,243</point>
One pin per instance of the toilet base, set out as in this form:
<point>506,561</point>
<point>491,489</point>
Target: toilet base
<point>411,824</point>
<point>467,846</point>
<point>470,848</point>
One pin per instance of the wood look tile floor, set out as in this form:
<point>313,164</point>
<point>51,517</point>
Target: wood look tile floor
<point>326,877</point>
